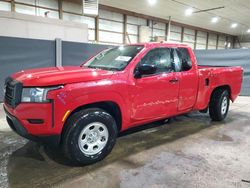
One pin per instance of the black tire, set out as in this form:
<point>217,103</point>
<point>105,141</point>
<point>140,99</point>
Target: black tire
<point>74,127</point>
<point>216,104</point>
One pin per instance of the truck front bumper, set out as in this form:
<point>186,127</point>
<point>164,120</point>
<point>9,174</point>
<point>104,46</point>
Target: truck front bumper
<point>20,129</point>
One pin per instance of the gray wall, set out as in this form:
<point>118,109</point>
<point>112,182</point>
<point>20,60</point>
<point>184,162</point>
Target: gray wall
<point>76,53</point>
<point>17,54</point>
<point>230,57</point>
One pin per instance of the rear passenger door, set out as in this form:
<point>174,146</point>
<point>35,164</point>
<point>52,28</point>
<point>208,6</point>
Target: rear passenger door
<point>188,79</point>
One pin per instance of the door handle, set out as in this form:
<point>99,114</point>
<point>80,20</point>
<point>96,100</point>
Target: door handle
<point>174,80</point>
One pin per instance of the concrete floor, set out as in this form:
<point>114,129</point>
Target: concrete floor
<point>190,151</point>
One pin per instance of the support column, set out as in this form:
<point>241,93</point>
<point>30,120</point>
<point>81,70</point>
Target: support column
<point>182,34</point>
<point>207,40</point>
<point>13,6</point>
<point>60,10</point>
<point>169,29</point>
<point>217,42</point>
<point>195,39</point>
<point>58,52</point>
<point>97,28</point>
<point>124,28</point>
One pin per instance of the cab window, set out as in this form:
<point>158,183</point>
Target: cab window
<point>162,58</point>
<point>184,58</point>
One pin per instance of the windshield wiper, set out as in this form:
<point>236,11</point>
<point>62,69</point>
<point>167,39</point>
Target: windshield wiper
<point>104,68</point>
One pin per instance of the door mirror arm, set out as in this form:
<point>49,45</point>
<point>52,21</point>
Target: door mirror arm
<point>137,74</point>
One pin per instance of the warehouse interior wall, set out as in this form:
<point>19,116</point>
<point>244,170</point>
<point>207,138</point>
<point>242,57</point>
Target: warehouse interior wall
<point>34,27</point>
<point>229,57</point>
<point>115,28</point>
<point>243,41</point>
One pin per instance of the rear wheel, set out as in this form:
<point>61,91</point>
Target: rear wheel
<point>219,105</point>
<point>90,136</point>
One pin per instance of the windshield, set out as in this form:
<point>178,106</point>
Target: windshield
<point>115,58</point>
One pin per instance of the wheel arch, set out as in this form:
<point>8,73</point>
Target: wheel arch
<point>110,107</point>
<point>223,87</point>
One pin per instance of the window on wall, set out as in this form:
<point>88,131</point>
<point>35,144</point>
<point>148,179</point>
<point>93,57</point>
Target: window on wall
<point>175,33</point>
<point>30,2</point>
<point>71,7</point>
<point>90,21</point>
<point>110,37</point>
<point>104,14</point>
<point>201,41</point>
<point>189,37</point>
<point>24,9</point>
<point>110,27</point>
<point>229,42</point>
<point>222,42</point>
<point>51,13</point>
<point>107,25</point>
<point>5,6</point>
<point>159,30</point>
<point>133,24</point>
<point>48,8</point>
<point>48,3</point>
<point>212,41</point>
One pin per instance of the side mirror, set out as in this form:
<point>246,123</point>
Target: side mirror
<point>145,69</point>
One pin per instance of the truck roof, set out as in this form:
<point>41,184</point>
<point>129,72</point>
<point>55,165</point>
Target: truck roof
<point>162,43</point>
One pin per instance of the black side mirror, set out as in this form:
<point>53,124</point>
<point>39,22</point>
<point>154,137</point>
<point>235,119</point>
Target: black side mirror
<point>145,69</point>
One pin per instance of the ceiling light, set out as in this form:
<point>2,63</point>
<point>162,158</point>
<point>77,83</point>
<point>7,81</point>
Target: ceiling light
<point>234,25</point>
<point>189,11</point>
<point>214,19</point>
<point>248,31</point>
<point>152,2</point>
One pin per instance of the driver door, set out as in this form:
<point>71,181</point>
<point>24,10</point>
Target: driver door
<point>154,96</point>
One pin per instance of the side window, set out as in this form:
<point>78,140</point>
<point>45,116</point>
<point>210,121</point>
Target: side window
<point>185,60</point>
<point>161,58</point>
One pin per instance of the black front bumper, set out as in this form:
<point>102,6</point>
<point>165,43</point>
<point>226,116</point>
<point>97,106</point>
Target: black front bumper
<point>17,127</point>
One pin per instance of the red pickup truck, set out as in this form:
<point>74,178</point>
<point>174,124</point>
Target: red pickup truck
<point>82,109</point>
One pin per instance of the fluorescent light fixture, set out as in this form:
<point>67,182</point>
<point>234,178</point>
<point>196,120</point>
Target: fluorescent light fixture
<point>214,19</point>
<point>234,25</point>
<point>189,12</point>
<point>248,31</point>
<point>152,2</point>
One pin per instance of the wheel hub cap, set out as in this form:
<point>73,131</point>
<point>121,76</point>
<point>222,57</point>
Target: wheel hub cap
<point>93,138</point>
<point>224,105</point>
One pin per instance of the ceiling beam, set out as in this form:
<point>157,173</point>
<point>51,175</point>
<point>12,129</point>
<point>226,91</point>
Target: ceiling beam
<point>207,10</point>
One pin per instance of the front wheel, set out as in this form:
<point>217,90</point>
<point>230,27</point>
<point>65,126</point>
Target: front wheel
<point>90,136</point>
<point>219,105</point>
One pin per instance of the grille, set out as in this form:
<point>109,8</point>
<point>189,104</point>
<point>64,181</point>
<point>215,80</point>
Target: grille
<point>9,94</point>
<point>13,92</point>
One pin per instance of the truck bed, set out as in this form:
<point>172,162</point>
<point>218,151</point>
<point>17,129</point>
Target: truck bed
<point>211,77</point>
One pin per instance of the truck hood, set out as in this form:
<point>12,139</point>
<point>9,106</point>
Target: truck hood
<point>59,75</point>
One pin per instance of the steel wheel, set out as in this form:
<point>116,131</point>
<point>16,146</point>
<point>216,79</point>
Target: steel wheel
<point>224,105</point>
<point>93,138</point>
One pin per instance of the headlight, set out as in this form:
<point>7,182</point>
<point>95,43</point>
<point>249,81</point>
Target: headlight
<point>36,94</point>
